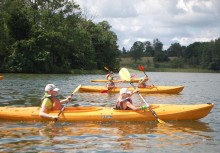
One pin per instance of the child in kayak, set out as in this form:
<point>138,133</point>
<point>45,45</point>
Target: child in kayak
<point>143,83</point>
<point>110,84</point>
<point>124,101</point>
<point>51,102</point>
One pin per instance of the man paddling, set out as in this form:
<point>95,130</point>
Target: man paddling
<point>51,102</point>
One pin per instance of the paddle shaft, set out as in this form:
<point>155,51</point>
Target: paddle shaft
<point>63,108</point>
<point>152,111</point>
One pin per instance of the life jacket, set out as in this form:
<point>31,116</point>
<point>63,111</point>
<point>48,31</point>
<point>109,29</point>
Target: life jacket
<point>119,103</point>
<point>56,103</point>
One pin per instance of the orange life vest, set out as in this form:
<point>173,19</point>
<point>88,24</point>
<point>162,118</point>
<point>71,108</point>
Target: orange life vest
<point>56,103</point>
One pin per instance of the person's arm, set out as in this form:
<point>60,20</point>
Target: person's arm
<point>65,100</point>
<point>132,106</point>
<point>133,92</point>
<point>43,113</point>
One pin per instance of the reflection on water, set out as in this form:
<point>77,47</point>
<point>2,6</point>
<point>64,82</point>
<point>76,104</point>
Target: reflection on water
<point>187,136</point>
<point>88,136</point>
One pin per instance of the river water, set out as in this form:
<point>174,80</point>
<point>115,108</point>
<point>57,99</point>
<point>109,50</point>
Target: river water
<point>177,136</point>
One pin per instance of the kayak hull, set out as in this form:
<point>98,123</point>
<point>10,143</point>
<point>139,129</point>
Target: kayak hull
<point>150,90</point>
<point>133,80</point>
<point>105,114</point>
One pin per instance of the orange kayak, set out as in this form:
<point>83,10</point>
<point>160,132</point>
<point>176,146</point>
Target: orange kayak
<point>150,90</point>
<point>1,77</point>
<point>105,114</point>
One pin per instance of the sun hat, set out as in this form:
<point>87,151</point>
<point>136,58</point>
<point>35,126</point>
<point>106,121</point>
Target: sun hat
<point>124,91</point>
<point>51,87</point>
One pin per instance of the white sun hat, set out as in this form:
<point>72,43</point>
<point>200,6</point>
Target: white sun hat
<point>51,87</point>
<point>124,91</point>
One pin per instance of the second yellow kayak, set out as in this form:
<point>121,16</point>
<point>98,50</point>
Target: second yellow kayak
<point>151,90</point>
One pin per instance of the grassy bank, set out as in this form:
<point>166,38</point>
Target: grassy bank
<point>174,65</point>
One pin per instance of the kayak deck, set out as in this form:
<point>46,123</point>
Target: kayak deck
<point>106,114</point>
<point>150,90</point>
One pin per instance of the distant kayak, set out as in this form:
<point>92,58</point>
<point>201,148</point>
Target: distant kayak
<point>1,77</point>
<point>106,114</point>
<point>133,80</point>
<point>151,90</point>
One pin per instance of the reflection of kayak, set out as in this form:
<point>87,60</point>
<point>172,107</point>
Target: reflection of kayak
<point>1,77</point>
<point>104,114</point>
<point>134,80</point>
<point>152,89</point>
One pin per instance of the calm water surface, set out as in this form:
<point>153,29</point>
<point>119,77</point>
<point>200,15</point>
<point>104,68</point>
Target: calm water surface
<point>183,136</point>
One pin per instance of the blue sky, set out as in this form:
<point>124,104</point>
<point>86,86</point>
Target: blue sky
<point>182,21</point>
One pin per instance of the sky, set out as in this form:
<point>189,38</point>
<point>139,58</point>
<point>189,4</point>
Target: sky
<point>170,21</point>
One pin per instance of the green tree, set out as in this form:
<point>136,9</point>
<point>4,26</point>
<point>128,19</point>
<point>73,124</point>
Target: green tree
<point>175,50</point>
<point>148,49</point>
<point>137,50</point>
<point>157,45</point>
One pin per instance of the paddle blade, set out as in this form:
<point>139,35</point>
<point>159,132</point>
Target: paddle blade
<point>160,121</point>
<point>104,91</point>
<point>133,75</point>
<point>106,68</point>
<point>76,90</point>
<point>141,68</point>
<point>124,75</point>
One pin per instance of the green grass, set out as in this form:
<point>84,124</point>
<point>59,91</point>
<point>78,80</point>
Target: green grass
<point>150,65</point>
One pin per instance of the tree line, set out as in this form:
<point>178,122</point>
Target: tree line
<point>205,55</point>
<point>41,36</point>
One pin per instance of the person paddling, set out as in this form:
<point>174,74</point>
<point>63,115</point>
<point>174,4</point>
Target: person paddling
<point>110,84</point>
<point>142,83</point>
<point>124,101</point>
<point>51,102</point>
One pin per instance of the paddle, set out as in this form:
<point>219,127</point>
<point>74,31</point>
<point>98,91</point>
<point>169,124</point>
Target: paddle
<point>67,102</point>
<point>142,69</point>
<point>107,69</point>
<point>125,75</point>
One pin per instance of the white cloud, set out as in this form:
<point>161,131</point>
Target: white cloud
<point>183,21</point>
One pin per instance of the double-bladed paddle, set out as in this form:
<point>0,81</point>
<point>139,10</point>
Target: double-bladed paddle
<point>67,102</point>
<point>142,69</point>
<point>125,75</point>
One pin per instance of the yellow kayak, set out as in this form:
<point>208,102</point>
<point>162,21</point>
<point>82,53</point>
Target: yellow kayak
<point>151,90</point>
<point>1,77</point>
<point>133,80</point>
<point>105,114</point>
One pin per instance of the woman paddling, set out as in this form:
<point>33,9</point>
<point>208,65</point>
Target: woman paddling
<point>51,102</point>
